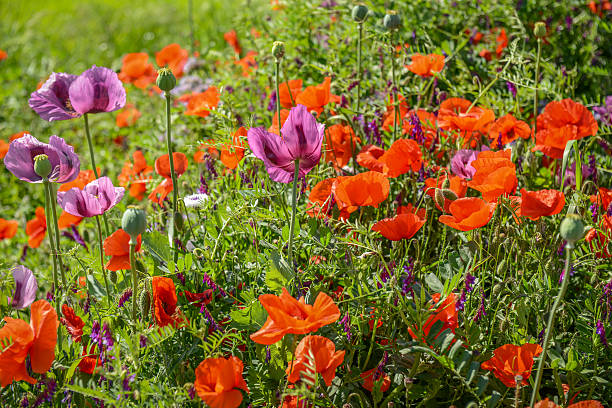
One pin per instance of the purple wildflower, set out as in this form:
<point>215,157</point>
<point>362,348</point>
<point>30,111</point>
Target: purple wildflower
<point>268,355</point>
<point>593,168</point>
<point>601,331</point>
<point>143,341</point>
<point>272,104</point>
<point>603,113</point>
<point>47,393</point>
<point>572,271</point>
<point>481,309</point>
<point>25,287</point>
<point>346,323</point>
<point>469,281</point>
<point>107,337</point>
<point>417,131</point>
<point>379,369</point>
<point>124,297</point>
<point>511,88</point>
<point>127,380</point>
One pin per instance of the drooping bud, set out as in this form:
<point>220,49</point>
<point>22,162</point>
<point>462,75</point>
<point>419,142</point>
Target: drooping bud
<point>42,165</point>
<point>166,81</point>
<point>539,30</point>
<point>134,222</point>
<point>446,183</point>
<point>360,13</point>
<point>439,197</point>
<point>572,228</point>
<point>449,194</point>
<point>278,50</point>
<point>145,303</point>
<point>392,21</point>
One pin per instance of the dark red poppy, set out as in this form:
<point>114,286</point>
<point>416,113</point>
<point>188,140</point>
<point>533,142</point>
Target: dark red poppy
<point>73,323</point>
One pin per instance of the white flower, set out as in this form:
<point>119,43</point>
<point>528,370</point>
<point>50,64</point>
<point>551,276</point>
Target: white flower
<point>195,200</point>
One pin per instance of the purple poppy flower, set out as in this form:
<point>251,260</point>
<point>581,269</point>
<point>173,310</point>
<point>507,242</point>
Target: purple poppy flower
<point>25,287</point>
<point>301,140</point>
<point>19,160</point>
<point>51,101</point>
<point>97,90</point>
<point>461,163</point>
<point>95,199</point>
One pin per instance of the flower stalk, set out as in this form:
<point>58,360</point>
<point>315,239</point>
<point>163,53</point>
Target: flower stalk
<point>53,210</point>
<point>293,210</point>
<point>93,163</point>
<point>52,245</point>
<point>134,279</point>
<point>101,241</point>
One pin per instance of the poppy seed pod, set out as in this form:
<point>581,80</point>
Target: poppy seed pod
<point>278,50</point>
<point>166,81</point>
<point>392,21</point>
<point>449,194</point>
<point>112,275</point>
<point>572,228</point>
<point>360,13</point>
<point>42,165</point>
<point>539,30</point>
<point>134,222</point>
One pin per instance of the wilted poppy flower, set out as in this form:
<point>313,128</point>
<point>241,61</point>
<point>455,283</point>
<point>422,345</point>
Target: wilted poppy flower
<point>174,57</point>
<point>369,157</point>
<point>73,323</point>
<point>164,302</point>
<point>340,141</point>
<point>368,380</point>
<point>287,315</point>
<point>288,92</point>
<point>369,188</point>
<point>8,228</point>
<point>25,287</point>
<point>560,122</point>
<point>162,167</point>
<point>426,65</point>
<point>36,229</point>
<point>231,154</point>
<point>52,101</point>
<point>97,90</point>
<point>19,160</point>
<point>36,340</point>
<point>128,116</point>
<point>403,155</point>
<point>546,403</point>
<point>94,199</point>
<point>456,184</point>
<point>536,204</point>
<point>219,381</point>
<point>137,69</point>
<point>89,361</point>
<point>454,116</point>
<point>232,39</point>
<point>326,359</point>
<point>202,103</point>
<point>510,361</point>
<point>315,97</point>
<point>468,213</point>
<point>495,174</point>
<point>117,246</point>
<point>301,141</point>
<point>446,313</point>
<point>402,226</point>
<point>135,175</point>
<point>507,129</point>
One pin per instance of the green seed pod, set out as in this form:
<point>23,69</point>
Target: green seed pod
<point>113,276</point>
<point>179,223</point>
<point>392,21</point>
<point>144,303</point>
<point>278,50</point>
<point>439,198</point>
<point>166,81</point>
<point>539,30</point>
<point>572,228</point>
<point>134,222</point>
<point>497,289</point>
<point>449,194</point>
<point>42,165</point>
<point>360,13</point>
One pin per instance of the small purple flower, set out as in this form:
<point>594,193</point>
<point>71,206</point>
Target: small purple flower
<point>95,333</point>
<point>75,236</point>
<point>25,287</point>
<point>272,103</point>
<point>97,90</point>
<point>601,331</point>
<point>346,323</point>
<point>469,281</point>
<point>19,159</point>
<point>603,113</point>
<point>107,337</point>
<point>511,88</point>
<point>301,140</point>
<point>268,355</point>
<point>481,310</point>
<point>51,101</point>
<point>143,341</point>
<point>96,198</point>
<point>127,294</point>
<point>127,380</point>
<point>417,130</point>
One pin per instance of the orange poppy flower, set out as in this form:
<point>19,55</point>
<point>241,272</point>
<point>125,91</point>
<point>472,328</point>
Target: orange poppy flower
<point>501,40</point>
<point>446,313</point>
<point>128,116</point>
<point>67,220</point>
<point>410,209</point>
<point>208,147</point>
<point>219,381</point>
<point>495,174</point>
<point>164,302</point>
<point>202,103</point>
<point>288,94</point>
<point>162,167</point>
<point>117,246</point>
<point>340,141</point>
<point>369,188</point>
<point>560,122</point>
<point>598,239</point>
<point>368,380</point>
<point>4,146</point>
<point>426,65</point>
<point>369,157</point>
<point>3,55</point>
<point>326,359</point>
<point>403,155</point>
<point>136,175</point>
<point>137,69</point>
<point>247,63</point>
<point>456,184</point>
<point>468,213</point>
<point>8,228</point>
<point>293,401</point>
<point>37,339</point>
<point>603,198</point>
<point>454,116</point>
<point>389,117</point>
<point>73,323</point>
<point>36,229</point>
<point>509,361</point>
<point>315,97</point>
<point>231,154</point>
<point>536,204</point>
<point>287,315</point>
<point>89,361</point>
<point>402,226</point>
<point>274,127</point>
<point>320,199</point>
<point>546,403</point>
<point>232,39</point>
<point>507,129</point>
<point>174,57</point>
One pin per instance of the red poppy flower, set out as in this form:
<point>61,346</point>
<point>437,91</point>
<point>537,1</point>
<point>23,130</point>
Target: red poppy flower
<point>137,69</point>
<point>164,302</point>
<point>403,155</point>
<point>287,315</point>
<point>468,213</point>
<point>507,129</point>
<point>136,175</point>
<point>231,154</point>
<point>232,39</point>
<point>599,238</point>
<point>117,246</point>
<point>3,55</point>
<point>247,63</point>
<point>369,188</point>
<point>162,167</point>
<point>536,204</point>
<point>446,313</point>
<point>510,361</point>
<point>454,116</point>
<point>456,184</point>
<point>426,65</point>
<point>340,141</point>
<point>495,174</point>
<point>501,40</point>
<point>127,116</point>
<point>219,381</point>
<point>37,339</point>
<point>326,359</point>
<point>8,228</point>
<point>368,380</point>
<point>402,226</point>
<point>369,157</point>
<point>288,94</point>
<point>316,97</point>
<point>36,229</point>
<point>202,103</point>
<point>389,117</point>
<point>546,403</point>
<point>560,122</point>
<point>411,209</point>
<point>603,198</point>
<point>89,361</point>
<point>74,324</point>
<point>199,299</point>
<point>174,57</point>
<point>321,199</point>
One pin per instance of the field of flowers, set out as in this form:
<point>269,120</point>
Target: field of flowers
<point>298,204</point>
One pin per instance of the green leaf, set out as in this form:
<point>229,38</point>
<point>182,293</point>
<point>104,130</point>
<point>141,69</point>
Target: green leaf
<point>434,283</point>
<point>157,245</point>
<point>95,288</point>
<point>250,318</point>
<point>481,385</point>
<point>566,153</point>
<point>472,371</point>
<point>279,274</point>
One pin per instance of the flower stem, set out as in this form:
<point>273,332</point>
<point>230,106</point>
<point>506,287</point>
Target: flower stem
<point>108,292</point>
<point>53,209</point>
<point>396,112</point>
<point>134,280</point>
<point>93,164</point>
<point>175,187</point>
<point>52,245</point>
<point>535,89</point>
<point>551,320</point>
<point>191,26</point>
<point>296,174</point>
<point>360,25</point>
<point>278,106</point>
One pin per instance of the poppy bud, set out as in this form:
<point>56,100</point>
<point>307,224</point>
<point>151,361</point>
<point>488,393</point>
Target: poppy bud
<point>439,198</point>
<point>179,223</point>
<point>572,228</point>
<point>539,30</point>
<point>42,165</point>
<point>446,183</point>
<point>113,276</point>
<point>278,50</point>
<point>392,21</point>
<point>166,81</point>
<point>144,303</point>
<point>360,13</point>
<point>449,194</point>
<point>134,222</point>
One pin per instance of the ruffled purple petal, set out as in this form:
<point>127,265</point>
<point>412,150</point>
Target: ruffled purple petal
<point>25,287</point>
<point>272,150</point>
<point>69,164</point>
<point>302,134</point>
<point>97,90</point>
<point>51,102</point>
<point>79,203</point>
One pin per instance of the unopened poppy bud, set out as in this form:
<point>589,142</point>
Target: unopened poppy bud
<point>539,30</point>
<point>145,303</point>
<point>166,81</point>
<point>446,183</point>
<point>360,13</point>
<point>572,228</point>
<point>278,50</point>
<point>134,222</point>
<point>42,165</point>
<point>439,198</point>
<point>449,194</point>
<point>392,21</point>
<point>112,275</point>
<point>179,223</point>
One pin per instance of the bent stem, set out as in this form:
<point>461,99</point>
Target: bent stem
<point>93,163</point>
<point>296,174</point>
<point>53,209</point>
<point>551,320</point>
<point>134,280</point>
<point>108,292</point>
